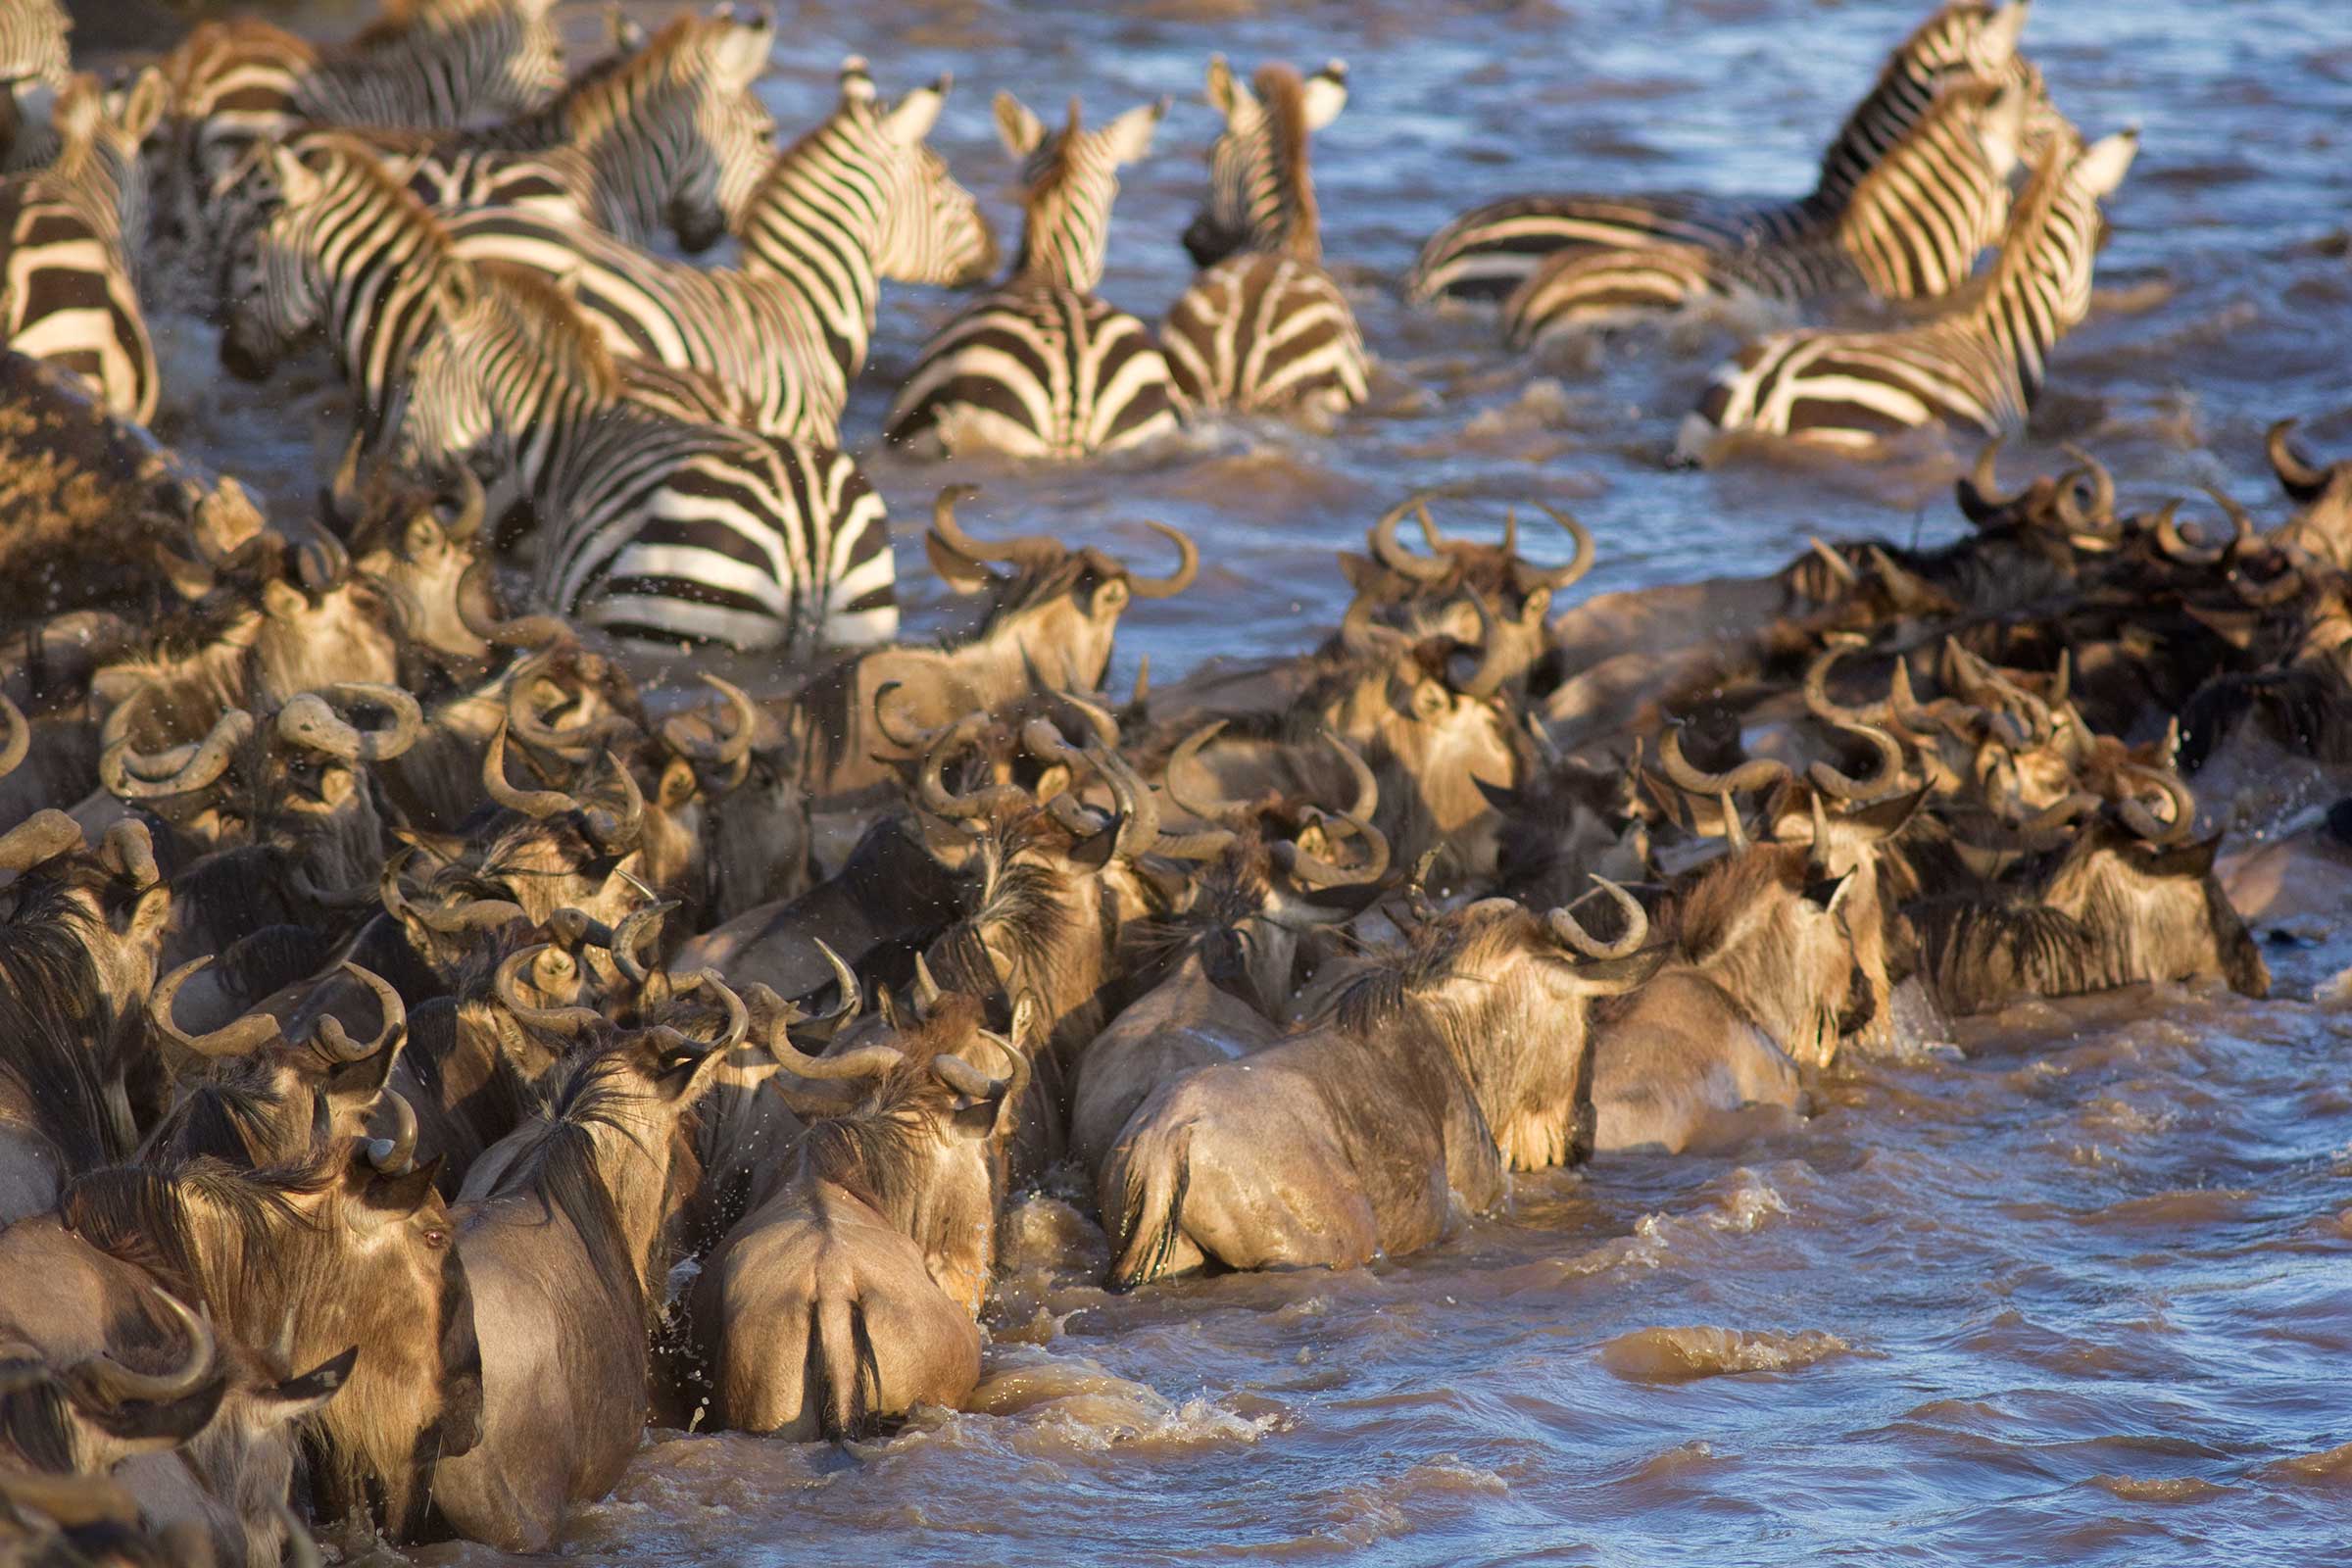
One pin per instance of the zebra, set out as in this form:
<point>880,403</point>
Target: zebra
<point>1489,251</point>
<point>857,199</point>
<point>440,64</point>
<point>1979,364</point>
<point>660,531</point>
<point>669,134</point>
<point>1913,229</point>
<point>1039,366</point>
<point>73,234</point>
<point>33,44</point>
<point>1263,326</point>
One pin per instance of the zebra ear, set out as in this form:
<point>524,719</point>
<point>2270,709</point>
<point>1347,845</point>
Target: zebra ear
<point>1016,127</point>
<point>1325,95</point>
<point>1226,93</point>
<point>2001,132</point>
<point>1997,43</point>
<point>297,184</point>
<point>141,105</point>
<point>1129,137</point>
<point>742,55</point>
<point>917,112</point>
<point>2103,164</point>
<point>856,80</point>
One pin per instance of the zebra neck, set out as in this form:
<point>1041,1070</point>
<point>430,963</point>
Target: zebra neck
<point>2041,288</point>
<point>813,226</point>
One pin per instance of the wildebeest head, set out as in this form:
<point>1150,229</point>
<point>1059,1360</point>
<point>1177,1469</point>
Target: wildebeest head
<point>86,1418</point>
<point>2322,529</point>
<point>1776,928</point>
<point>419,559</point>
<point>2144,891</point>
<point>110,903</point>
<point>739,804</point>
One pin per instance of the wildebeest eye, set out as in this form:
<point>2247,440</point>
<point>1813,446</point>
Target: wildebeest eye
<point>437,1238</point>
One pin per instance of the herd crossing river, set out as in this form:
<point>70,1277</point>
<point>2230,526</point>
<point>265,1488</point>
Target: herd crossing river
<point>2066,1284</point>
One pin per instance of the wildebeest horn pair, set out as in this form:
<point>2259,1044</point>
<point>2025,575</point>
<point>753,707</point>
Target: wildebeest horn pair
<point>395,1155</point>
<point>1830,781</point>
<point>535,633</point>
<point>566,1022</point>
<point>474,914</point>
<point>2174,829</point>
<point>1040,552</point>
<point>2175,546</point>
<point>310,720</point>
<point>676,1042</point>
<point>248,1034</point>
<point>733,743</point>
<point>1570,932</point>
<point>1757,773</point>
<point>134,775</point>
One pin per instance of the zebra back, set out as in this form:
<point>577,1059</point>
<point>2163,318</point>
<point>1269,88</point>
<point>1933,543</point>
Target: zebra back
<point>33,45</point>
<point>1265,328</point>
<point>664,530</point>
<point>72,232</point>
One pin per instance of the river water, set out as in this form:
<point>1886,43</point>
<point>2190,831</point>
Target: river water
<point>2076,1288</point>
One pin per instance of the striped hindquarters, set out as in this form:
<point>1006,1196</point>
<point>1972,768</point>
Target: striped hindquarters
<point>1261,331</point>
<point>1039,372</point>
<point>676,534</point>
<point>1581,290</point>
<point>1489,251</point>
<point>70,301</point>
<point>1851,390</point>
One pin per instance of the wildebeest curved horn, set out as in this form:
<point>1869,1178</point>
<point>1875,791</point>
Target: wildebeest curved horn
<point>2062,679</point>
<point>2144,822</point>
<point>913,740</point>
<point>474,914</point>
<point>1735,831</point>
<point>2175,547</point>
<point>1207,807</point>
<point>1367,787</point>
<point>2297,476</point>
<point>1761,772</point>
<point>1359,634</point>
<point>1979,489</point>
<point>472,504</point>
<point>926,987</point>
<point>19,743</point>
<point>391,1031</point>
<point>1308,870</point>
<point>1022,550</point>
<point>1830,781</point>
<point>2270,595</point>
<point>1138,831</point>
<point>1818,701</point>
<point>1570,932</point>
<point>1099,719</point>
<point>629,937</point>
<point>739,1017</point>
<point>395,1155</point>
<point>1187,566</point>
<point>555,1021</point>
<point>536,804</point>
<point>320,561</point>
<point>43,836</point>
<point>1908,588</point>
<point>408,718</point>
<point>1509,544</point>
<point>1392,554</point>
<point>342,495</point>
<point>131,850</point>
<point>72,1501</point>
<point>131,777</point>
<point>866,1061</point>
<point>735,743</point>
<point>2061,812</point>
<point>613,828</point>
<point>965,1079</point>
<point>1817,852</point>
<point>113,1383</point>
<point>931,787</point>
<point>240,1038</point>
<point>1904,703</point>
<point>1839,567</point>
<point>572,929</point>
<point>1556,578</point>
<point>527,632</point>
<point>1493,657</point>
<point>2097,517</point>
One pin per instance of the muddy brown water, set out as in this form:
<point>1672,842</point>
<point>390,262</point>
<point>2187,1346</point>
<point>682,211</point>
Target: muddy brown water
<point>2072,1286</point>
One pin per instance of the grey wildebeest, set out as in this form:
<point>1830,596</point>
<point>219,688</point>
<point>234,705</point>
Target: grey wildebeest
<point>565,1228</point>
<point>1431,1073</point>
<point>851,1290</point>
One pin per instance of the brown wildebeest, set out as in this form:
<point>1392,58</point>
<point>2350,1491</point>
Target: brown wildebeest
<point>1432,1072</point>
<point>565,1228</point>
<point>851,1292</point>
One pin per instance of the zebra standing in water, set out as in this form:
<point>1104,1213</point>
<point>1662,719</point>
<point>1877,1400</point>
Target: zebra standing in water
<point>859,199</point>
<point>1913,229</point>
<point>440,64</point>
<point>1978,366</point>
<point>33,46</point>
<point>1489,251</point>
<point>1039,366</point>
<point>1264,326</point>
<point>669,134</point>
<point>74,234</point>
<point>659,530</point>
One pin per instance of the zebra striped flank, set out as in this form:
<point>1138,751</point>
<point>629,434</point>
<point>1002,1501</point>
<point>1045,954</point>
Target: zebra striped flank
<point>1265,328</point>
<point>1913,229</point>
<point>1040,366</point>
<point>73,231</point>
<point>659,529</point>
<point>1489,251</point>
<point>1979,366</point>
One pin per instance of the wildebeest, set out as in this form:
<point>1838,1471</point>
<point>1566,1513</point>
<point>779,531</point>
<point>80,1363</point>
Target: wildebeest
<point>1432,1072</point>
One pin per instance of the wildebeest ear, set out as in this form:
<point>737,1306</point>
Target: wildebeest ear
<point>1890,816</point>
<point>398,1196</point>
<point>148,916</point>
<point>1533,607</point>
<point>1363,574</point>
<point>309,1392</point>
<point>1827,890</point>
<point>1499,797</point>
<point>1094,853</point>
<point>1615,976</point>
<point>368,1075</point>
<point>677,785</point>
<point>2187,859</point>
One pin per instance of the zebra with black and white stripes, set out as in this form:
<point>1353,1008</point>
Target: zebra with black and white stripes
<point>1040,366</point>
<point>1490,250</point>
<point>1913,229</point>
<point>657,529</point>
<point>34,46</point>
<point>442,64</point>
<point>859,199</point>
<point>1263,326</point>
<point>73,234</point>
<point>1978,366</point>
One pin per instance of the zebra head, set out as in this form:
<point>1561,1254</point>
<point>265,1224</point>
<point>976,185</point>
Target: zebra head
<point>515,45</point>
<point>933,230</point>
<point>271,284</point>
<point>1260,195</point>
<point>443,417</point>
<point>674,130</point>
<point>1071,178</point>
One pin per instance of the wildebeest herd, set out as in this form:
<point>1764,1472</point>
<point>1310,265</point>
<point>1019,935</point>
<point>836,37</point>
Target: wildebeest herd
<point>396,993</point>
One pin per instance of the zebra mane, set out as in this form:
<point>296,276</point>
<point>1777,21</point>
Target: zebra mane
<point>352,158</point>
<point>1959,102</point>
<point>544,315</point>
<point>1284,93</point>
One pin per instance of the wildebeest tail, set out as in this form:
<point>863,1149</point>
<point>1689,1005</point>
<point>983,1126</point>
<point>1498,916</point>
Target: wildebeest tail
<point>843,1380</point>
<point>1159,1172</point>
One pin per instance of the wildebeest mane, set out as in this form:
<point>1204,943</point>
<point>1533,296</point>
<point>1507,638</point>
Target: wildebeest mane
<point>59,1036</point>
<point>874,1153</point>
<point>148,1216</point>
<point>1019,911</point>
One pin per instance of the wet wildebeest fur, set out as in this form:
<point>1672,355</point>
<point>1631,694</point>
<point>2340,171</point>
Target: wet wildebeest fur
<point>1433,1071</point>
